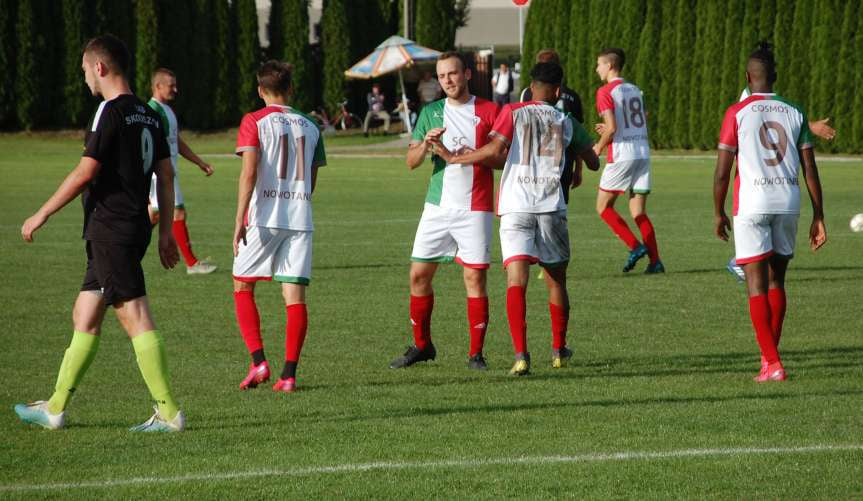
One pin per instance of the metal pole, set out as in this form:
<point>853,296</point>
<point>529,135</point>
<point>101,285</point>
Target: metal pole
<point>407,19</point>
<point>407,112</point>
<point>520,31</point>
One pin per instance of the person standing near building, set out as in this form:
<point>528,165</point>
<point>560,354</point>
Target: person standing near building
<point>502,84</point>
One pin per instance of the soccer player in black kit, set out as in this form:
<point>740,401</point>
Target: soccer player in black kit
<point>124,145</point>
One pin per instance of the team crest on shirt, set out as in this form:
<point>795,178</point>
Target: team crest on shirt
<point>139,108</point>
<point>437,114</point>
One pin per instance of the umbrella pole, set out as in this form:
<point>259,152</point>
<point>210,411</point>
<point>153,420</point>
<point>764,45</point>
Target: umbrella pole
<point>405,103</point>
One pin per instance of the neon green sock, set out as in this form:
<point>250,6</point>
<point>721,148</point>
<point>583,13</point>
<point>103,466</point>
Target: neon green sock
<point>153,363</point>
<point>80,353</point>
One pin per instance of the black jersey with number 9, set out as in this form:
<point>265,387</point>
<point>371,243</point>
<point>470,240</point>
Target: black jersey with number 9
<point>127,139</point>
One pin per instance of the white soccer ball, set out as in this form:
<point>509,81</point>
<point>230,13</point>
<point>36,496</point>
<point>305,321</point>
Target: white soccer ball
<point>856,223</point>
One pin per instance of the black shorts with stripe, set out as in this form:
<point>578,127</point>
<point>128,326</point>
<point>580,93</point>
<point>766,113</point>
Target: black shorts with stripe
<point>115,270</point>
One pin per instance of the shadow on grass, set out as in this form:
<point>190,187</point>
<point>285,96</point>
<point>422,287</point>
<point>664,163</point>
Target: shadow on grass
<point>359,266</point>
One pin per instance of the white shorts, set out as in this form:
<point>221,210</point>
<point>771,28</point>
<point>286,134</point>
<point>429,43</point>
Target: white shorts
<point>626,175</point>
<point>759,236</point>
<point>178,194</point>
<point>444,235</point>
<point>538,238</point>
<point>273,253</point>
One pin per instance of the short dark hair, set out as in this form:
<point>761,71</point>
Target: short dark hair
<point>615,57</point>
<point>547,56</point>
<point>275,76</point>
<point>161,71</point>
<point>453,54</point>
<point>547,73</point>
<point>763,54</point>
<point>111,51</point>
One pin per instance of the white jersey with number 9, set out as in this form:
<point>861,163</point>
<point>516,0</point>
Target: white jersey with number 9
<point>767,132</point>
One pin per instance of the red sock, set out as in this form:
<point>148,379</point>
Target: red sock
<point>248,319</point>
<point>619,227</point>
<point>181,235</point>
<point>759,312</point>
<point>648,236</point>
<point>477,318</point>
<point>295,330</point>
<point>559,321</point>
<point>776,299</point>
<point>516,310</point>
<point>421,312</point>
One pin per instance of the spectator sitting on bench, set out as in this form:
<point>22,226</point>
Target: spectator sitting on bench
<point>375,100</point>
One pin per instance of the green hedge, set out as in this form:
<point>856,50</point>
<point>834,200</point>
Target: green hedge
<point>688,56</point>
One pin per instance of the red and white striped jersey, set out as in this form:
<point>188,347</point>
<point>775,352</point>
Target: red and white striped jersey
<point>290,146</point>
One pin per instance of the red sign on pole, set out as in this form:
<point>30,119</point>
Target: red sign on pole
<point>519,2</point>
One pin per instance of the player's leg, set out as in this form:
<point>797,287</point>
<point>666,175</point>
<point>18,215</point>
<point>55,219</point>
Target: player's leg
<point>638,211</point>
<point>433,244</point>
<point>477,314</point>
<point>753,247</point>
<point>518,237</point>
<point>784,233</point>
<point>194,266</point>
<point>135,317</point>
<point>554,254</point>
<point>296,326</point>
<point>294,270</point>
<point>472,232</point>
<point>87,315</point>
<point>254,262</point>
<point>777,266</point>
<point>615,180</point>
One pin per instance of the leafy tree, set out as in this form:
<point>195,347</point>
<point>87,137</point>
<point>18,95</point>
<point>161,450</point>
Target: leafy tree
<point>684,40</point>
<point>437,21</point>
<point>796,87</point>
<point>335,42</point>
<point>664,112</point>
<point>224,108</point>
<point>37,72</point>
<point>8,62</point>
<point>248,54</point>
<point>712,104</point>
<point>146,45</point>
<point>74,88</point>
<point>291,18</point>
<point>646,74</point>
<point>843,91</point>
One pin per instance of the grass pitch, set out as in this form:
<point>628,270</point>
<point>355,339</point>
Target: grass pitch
<point>658,402</point>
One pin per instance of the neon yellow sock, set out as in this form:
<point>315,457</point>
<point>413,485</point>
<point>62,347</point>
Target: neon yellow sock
<point>80,353</point>
<point>153,363</point>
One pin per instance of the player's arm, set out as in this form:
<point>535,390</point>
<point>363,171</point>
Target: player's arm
<point>190,155</point>
<point>721,177</point>
<point>68,190</point>
<point>248,177</point>
<point>606,130</point>
<point>492,154</point>
<point>417,150</point>
<point>817,231</point>
<point>165,195</point>
<point>821,129</point>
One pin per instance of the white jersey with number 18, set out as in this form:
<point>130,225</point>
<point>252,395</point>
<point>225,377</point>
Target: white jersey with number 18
<point>290,146</point>
<point>626,101</point>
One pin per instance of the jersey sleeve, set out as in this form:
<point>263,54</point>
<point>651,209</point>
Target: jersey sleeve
<point>503,126</point>
<point>161,150</point>
<point>804,141</point>
<point>320,158</point>
<point>422,126</point>
<point>580,138</point>
<point>102,134</point>
<point>604,101</point>
<point>728,132</point>
<point>247,136</point>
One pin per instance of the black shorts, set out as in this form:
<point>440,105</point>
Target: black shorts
<point>115,270</point>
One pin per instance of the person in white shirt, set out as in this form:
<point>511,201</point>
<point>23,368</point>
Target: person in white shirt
<point>502,84</point>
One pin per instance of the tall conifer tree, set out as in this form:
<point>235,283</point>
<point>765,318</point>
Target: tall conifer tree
<point>248,55</point>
